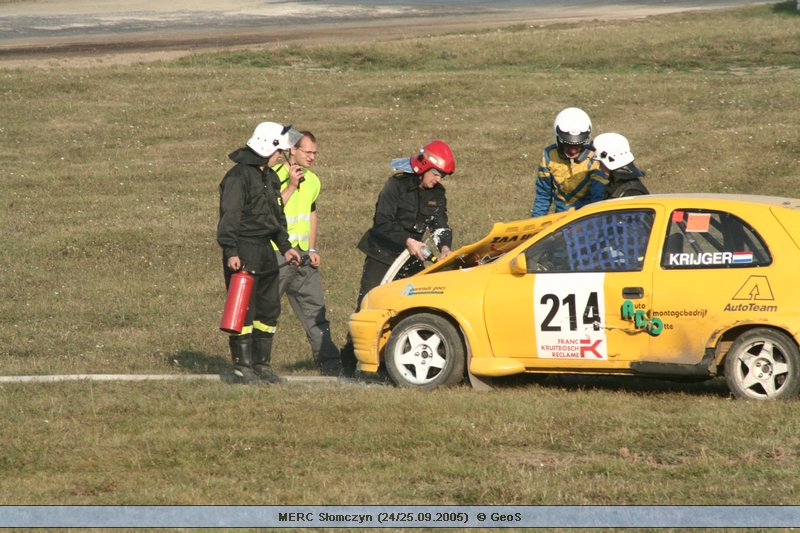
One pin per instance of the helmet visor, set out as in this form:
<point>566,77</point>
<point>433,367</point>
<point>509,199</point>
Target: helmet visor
<point>402,164</point>
<point>577,139</point>
<point>287,138</point>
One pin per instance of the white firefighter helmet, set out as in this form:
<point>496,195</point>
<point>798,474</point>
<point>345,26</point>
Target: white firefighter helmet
<point>613,150</point>
<point>271,136</point>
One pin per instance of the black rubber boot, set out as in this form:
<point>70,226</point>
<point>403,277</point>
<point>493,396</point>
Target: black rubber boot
<point>262,356</point>
<point>328,359</point>
<point>330,367</point>
<point>242,354</point>
<point>348,359</point>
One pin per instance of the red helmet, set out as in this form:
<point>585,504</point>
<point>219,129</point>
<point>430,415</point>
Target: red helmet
<point>435,154</point>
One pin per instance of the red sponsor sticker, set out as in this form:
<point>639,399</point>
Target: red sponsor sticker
<point>698,222</point>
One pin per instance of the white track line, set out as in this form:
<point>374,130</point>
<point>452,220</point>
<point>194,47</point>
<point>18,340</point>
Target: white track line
<point>147,377</point>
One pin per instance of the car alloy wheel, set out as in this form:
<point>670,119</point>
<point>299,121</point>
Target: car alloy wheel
<point>425,351</point>
<point>763,364</point>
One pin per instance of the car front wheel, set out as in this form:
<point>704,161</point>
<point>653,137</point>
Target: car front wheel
<point>425,351</point>
<point>763,364</point>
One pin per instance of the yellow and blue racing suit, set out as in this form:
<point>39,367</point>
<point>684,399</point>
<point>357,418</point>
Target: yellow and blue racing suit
<point>565,183</point>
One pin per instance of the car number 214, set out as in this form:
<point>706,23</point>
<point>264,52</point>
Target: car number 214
<point>568,311</point>
<point>591,313</point>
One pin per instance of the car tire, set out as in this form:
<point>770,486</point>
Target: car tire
<point>425,351</point>
<point>763,364</point>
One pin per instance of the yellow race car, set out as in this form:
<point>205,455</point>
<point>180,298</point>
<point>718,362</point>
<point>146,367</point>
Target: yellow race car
<point>673,286</point>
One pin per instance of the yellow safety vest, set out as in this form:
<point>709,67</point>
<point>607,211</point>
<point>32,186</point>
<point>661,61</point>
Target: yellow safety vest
<point>298,208</point>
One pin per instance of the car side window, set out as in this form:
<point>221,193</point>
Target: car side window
<point>607,242</point>
<point>699,238</point>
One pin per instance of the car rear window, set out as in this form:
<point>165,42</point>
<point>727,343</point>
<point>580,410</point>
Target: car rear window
<point>712,239</point>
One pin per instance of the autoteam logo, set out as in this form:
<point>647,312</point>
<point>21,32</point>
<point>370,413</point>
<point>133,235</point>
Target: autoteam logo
<point>754,296</point>
<point>411,290</point>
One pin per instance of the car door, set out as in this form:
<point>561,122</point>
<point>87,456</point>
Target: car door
<point>569,310</point>
<point>711,272</point>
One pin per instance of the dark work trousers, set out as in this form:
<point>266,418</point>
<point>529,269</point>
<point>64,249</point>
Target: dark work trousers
<point>374,270</point>
<point>371,277</point>
<point>302,286</point>
<point>265,303</point>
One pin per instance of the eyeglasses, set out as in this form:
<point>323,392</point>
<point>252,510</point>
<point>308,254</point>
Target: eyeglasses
<point>308,152</point>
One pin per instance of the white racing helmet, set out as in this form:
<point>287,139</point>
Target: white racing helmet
<point>613,150</point>
<point>271,136</point>
<point>572,126</point>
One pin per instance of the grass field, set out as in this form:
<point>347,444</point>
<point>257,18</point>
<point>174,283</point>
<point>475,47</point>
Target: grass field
<point>110,184</point>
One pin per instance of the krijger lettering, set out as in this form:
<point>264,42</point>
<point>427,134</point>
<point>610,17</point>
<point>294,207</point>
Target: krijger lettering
<point>705,258</point>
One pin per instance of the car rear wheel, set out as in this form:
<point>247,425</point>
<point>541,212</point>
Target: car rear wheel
<point>763,364</point>
<point>425,351</point>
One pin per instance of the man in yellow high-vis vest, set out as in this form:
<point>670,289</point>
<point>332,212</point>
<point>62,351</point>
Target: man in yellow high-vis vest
<point>303,284</point>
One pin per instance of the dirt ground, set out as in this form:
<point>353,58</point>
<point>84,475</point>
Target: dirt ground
<point>162,42</point>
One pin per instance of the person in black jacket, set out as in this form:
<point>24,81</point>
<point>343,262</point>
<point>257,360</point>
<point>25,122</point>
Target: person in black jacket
<point>412,201</point>
<point>615,156</point>
<point>250,216</point>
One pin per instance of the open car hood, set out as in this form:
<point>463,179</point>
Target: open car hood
<point>504,237</point>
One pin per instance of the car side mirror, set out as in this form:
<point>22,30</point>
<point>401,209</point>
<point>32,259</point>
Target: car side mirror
<point>519,265</point>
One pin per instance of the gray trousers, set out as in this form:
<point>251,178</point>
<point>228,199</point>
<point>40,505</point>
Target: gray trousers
<point>303,288</point>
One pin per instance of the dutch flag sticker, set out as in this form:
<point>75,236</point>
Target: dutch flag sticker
<point>740,258</point>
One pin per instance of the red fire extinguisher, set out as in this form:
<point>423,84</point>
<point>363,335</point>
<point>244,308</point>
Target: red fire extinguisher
<point>237,302</point>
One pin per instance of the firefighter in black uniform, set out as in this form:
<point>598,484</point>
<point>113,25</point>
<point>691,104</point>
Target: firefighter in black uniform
<point>412,201</point>
<point>250,216</point>
<point>616,159</point>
